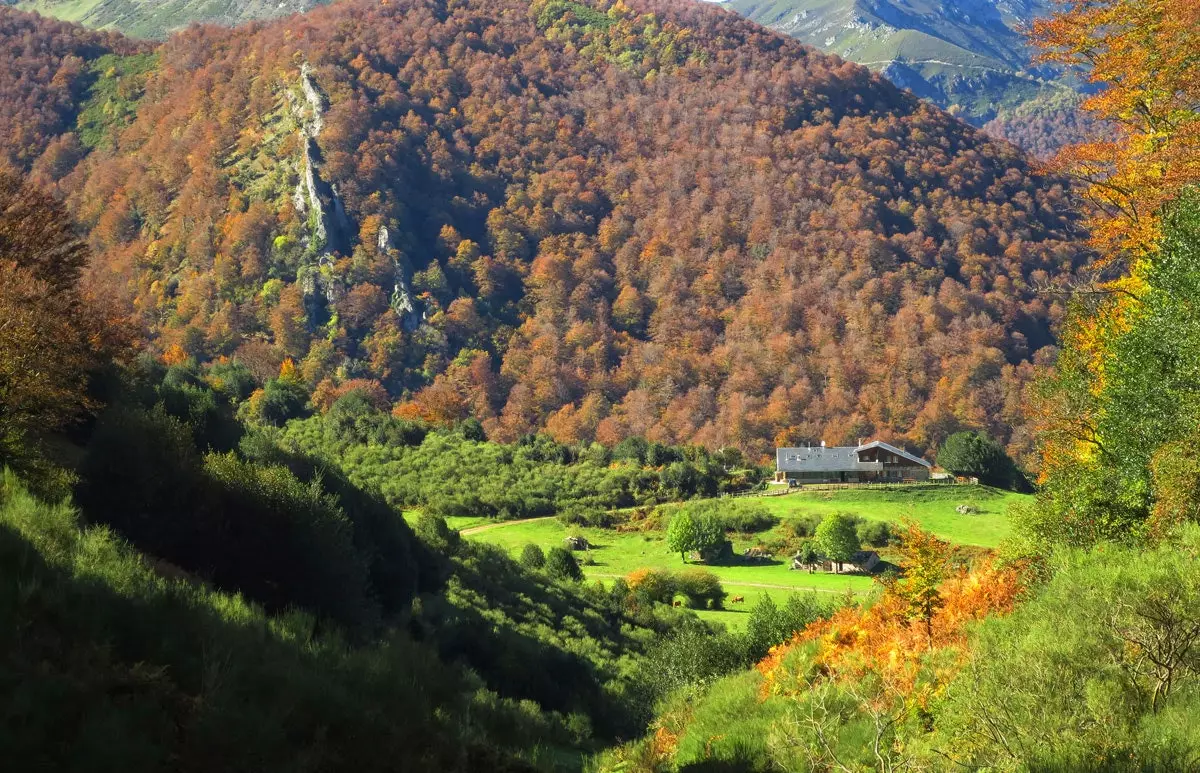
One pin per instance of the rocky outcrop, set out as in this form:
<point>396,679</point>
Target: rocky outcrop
<point>330,228</point>
<point>403,302</point>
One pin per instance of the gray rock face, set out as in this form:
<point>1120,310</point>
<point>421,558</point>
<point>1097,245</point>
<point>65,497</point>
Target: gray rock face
<point>331,228</point>
<point>403,302</point>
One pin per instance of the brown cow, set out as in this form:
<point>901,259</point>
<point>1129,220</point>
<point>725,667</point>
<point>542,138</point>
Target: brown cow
<point>739,599</point>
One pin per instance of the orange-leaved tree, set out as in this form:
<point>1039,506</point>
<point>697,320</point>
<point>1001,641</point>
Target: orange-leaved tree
<point>1145,56</point>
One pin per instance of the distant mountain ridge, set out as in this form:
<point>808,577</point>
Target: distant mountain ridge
<point>156,19</point>
<point>968,56</point>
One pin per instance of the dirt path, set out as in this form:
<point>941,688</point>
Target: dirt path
<point>501,525</point>
<point>736,584</point>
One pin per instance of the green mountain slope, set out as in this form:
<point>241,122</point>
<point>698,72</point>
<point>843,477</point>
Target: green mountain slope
<point>158,18</point>
<point>967,56</point>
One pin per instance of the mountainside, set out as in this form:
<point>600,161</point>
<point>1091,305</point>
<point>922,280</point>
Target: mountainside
<point>649,219</point>
<point>969,56</point>
<point>159,18</point>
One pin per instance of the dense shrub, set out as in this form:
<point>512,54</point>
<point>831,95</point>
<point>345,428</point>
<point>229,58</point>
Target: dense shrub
<point>701,588</point>
<point>877,534</point>
<point>561,564</point>
<point>653,585</point>
<point>804,526</point>
<point>411,465</point>
<point>281,400</point>
<point>109,666</point>
<point>532,557</point>
<point>1113,642</point>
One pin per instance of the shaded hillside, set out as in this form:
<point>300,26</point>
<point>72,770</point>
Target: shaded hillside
<point>654,219</point>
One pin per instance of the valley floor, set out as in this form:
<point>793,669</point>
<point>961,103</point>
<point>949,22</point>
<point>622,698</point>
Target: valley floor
<point>617,553</point>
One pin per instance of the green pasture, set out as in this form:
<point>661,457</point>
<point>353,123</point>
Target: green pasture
<point>932,506</point>
<point>616,554</point>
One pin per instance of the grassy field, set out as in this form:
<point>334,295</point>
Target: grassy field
<point>931,506</point>
<point>616,554</point>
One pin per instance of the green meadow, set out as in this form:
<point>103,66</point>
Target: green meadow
<point>617,553</point>
<point>932,506</point>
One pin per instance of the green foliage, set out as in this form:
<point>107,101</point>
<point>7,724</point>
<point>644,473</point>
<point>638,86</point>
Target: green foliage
<point>808,553</point>
<point>281,401</point>
<point>836,537</point>
<point>532,557</point>
<point>1097,671</point>
<point>701,588</point>
<point>1145,404</point>
<point>976,455</point>
<point>561,564</point>
<point>111,101</point>
<point>696,529</point>
<point>110,665</point>
<point>409,463</point>
<point>433,531</point>
<point>769,625</point>
<point>690,654</point>
<point>682,534</point>
<point>878,534</point>
<point>569,13</point>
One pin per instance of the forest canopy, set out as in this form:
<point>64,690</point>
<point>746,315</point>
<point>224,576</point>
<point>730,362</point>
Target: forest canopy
<point>600,220</point>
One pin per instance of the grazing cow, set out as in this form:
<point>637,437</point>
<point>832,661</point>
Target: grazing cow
<point>739,599</point>
<point>676,603</point>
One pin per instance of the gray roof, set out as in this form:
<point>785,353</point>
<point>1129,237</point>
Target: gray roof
<point>894,450</point>
<point>836,458</point>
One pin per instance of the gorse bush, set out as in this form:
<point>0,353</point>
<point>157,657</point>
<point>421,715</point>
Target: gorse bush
<point>1121,627</point>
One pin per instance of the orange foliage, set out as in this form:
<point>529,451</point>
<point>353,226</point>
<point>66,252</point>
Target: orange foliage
<point>1144,53</point>
<point>689,229</point>
<point>174,355</point>
<point>885,639</point>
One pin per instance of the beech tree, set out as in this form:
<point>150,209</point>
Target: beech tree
<point>46,349</point>
<point>838,538</point>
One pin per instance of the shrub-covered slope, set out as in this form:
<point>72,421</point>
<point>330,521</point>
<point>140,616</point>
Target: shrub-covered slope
<point>652,218</point>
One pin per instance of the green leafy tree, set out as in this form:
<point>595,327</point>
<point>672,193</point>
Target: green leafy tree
<point>682,534</point>
<point>764,629</point>
<point>281,400</point>
<point>532,557</point>
<point>976,455</point>
<point>561,565</point>
<point>710,535</point>
<point>808,552</point>
<point>837,538</point>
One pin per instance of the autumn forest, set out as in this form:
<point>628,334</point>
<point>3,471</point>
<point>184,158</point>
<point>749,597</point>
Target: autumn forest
<point>660,220</point>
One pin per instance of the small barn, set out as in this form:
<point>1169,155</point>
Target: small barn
<point>862,562</point>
